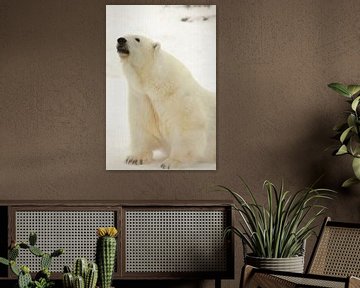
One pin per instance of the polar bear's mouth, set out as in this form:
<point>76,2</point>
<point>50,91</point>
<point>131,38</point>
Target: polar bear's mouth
<point>123,51</point>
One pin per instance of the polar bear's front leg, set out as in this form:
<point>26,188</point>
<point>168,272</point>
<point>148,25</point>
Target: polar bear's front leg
<point>144,131</point>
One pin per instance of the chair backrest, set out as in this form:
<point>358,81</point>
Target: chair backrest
<point>337,251</point>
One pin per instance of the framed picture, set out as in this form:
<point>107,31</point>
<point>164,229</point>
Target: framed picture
<point>161,87</point>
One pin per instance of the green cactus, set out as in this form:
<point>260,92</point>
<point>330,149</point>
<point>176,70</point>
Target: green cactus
<point>36,251</point>
<point>45,261</point>
<point>79,282</point>
<point>105,258</point>
<point>32,238</point>
<point>43,274</point>
<point>24,245</point>
<point>42,278</point>
<point>68,280</point>
<point>13,253</point>
<point>80,267</point>
<point>91,276</point>
<point>87,272</point>
<point>67,269</point>
<point>24,280</point>
<point>57,252</point>
<point>14,268</point>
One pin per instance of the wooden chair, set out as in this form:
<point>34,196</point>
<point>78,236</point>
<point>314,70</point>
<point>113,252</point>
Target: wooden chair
<point>335,262</point>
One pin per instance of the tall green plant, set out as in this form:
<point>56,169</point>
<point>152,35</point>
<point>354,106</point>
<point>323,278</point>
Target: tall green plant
<point>279,229</point>
<point>348,132</point>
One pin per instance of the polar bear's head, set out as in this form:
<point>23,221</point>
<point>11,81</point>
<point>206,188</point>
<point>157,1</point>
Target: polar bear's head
<point>137,49</point>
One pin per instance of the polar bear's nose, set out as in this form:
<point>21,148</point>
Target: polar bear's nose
<point>121,41</point>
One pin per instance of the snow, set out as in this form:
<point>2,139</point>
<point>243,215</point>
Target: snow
<point>183,32</point>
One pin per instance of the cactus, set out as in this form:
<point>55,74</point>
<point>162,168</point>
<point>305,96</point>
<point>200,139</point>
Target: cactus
<point>91,276</point>
<point>45,261</point>
<point>14,268</point>
<point>44,273</point>
<point>79,282</point>
<point>89,272</point>
<point>36,251</point>
<point>42,278</point>
<point>13,253</point>
<point>80,267</point>
<point>68,280</point>
<point>105,254</point>
<point>32,238</point>
<point>24,279</point>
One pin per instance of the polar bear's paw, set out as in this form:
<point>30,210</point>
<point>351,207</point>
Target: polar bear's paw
<point>170,163</point>
<point>139,159</point>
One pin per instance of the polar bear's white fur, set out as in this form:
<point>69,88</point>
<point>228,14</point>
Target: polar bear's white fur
<point>168,109</point>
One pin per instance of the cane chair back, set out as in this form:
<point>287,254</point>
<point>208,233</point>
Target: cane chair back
<point>337,252</point>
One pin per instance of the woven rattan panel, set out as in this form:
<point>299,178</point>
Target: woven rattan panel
<point>311,282</point>
<point>75,231</point>
<point>338,253</point>
<point>175,241</point>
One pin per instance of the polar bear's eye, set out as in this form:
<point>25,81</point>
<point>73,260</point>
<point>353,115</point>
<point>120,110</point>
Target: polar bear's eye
<point>137,39</point>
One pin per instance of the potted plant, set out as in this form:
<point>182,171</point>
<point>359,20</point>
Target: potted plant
<point>348,132</point>
<point>42,278</point>
<point>275,233</point>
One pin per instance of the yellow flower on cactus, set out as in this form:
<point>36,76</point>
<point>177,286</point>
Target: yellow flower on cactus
<point>107,231</point>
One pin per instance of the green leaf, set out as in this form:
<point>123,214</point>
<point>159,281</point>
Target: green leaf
<point>356,167</point>
<point>4,261</point>
<point>351,120</point>
<point>340,88</point>
<point>345,134</point>
<point>342,150</point>
<point>353,89</point>
<point>355,103</point>
<point>349,182</point>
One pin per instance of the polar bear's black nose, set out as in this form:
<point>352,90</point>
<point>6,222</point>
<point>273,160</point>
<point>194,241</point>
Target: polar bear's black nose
<point>121,41</point>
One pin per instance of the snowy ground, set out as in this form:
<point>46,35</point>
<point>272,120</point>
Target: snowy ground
<point>183,32</point>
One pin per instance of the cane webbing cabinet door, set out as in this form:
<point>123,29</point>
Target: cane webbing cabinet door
<point>175,242</point>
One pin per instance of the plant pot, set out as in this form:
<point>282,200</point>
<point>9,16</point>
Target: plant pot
<point>291,264</point>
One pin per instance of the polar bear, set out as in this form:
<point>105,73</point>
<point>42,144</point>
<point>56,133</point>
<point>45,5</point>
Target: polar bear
<point>168,109</point>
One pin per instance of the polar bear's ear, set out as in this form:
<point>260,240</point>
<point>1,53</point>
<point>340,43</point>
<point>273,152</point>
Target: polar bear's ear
<point>156,46</point>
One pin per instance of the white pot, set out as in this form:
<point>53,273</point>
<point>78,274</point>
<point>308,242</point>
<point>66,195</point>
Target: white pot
<point>291,264</point>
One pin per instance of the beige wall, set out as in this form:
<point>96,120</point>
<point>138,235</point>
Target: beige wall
<point>275,112</point>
